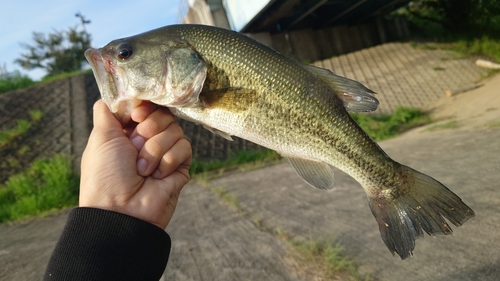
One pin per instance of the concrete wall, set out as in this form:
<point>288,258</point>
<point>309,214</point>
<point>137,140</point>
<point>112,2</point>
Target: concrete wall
<point>67,122</point>
<point>310,45</point>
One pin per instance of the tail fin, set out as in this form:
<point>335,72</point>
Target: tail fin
<point>404,218</point>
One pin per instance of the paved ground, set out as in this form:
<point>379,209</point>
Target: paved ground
<point>465,160</point>
<point>212,241</point>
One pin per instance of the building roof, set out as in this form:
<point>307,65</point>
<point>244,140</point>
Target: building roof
<point>283,15</point>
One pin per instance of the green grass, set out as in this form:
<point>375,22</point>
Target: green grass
<point>493,124</point>
<point>47,79</point>
<point>388,126</point>
<point>483,46</point>
<point>36,115</point>
<point>14,82</point>
<point>325,257</point>
<point>317,258</point>
<point>378,127</point>
<point>235,161</point>
<point>227,197</point>
<point>17,81</point>
<point>448,125</point>
<point>46,185</point>
<point>8,135</point>
<point>22,127</point>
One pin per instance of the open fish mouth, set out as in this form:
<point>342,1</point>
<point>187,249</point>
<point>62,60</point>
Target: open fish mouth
<point>112,85</point>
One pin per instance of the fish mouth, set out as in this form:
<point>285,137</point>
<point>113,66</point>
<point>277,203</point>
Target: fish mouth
<point>112,85</point>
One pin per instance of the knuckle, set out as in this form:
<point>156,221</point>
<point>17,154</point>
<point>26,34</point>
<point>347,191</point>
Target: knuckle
<point>176,131</point>
<point>153,147</point>
<point>170,159</point>
<point>186,145</point>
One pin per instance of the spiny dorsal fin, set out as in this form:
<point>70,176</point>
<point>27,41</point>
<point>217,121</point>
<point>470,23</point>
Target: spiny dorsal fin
<point>355,96</point>
<point>317,174</point>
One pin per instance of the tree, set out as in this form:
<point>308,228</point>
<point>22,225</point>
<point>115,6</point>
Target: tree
<point>460,17</point>
<point>57,52</point>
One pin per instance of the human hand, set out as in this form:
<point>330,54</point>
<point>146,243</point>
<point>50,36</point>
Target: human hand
<point>138,170</point>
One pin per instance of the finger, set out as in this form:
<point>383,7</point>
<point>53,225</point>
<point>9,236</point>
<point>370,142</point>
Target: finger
<point>154,148</point>
<point>103,118</point>
<point>106,126</point>
<point>155,123</point>
<point>141,112</point>
<point>177,158</point>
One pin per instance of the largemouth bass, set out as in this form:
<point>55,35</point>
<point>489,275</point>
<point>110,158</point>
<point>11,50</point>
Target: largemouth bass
<point>235,86</point>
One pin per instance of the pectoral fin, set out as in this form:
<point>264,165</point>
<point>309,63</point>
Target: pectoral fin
<point>355,96</point>
<point>317,174</point>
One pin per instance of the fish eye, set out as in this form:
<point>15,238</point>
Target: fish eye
<point>125,51</point>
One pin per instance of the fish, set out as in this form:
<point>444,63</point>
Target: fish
<point>235,86</point>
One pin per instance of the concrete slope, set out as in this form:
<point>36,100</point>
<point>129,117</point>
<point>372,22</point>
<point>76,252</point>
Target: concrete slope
<point>403,75</point>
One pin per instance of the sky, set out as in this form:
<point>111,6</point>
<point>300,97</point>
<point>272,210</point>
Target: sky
<point>110,19</point>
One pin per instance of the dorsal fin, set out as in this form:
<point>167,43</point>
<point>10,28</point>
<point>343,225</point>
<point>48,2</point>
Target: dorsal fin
<point>355,96</point>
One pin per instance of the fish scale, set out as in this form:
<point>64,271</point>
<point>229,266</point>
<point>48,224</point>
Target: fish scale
<point>293,92</point>
<point>235,86</point>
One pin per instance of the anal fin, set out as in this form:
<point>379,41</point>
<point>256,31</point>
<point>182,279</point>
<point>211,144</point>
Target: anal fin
<point>317,174</point>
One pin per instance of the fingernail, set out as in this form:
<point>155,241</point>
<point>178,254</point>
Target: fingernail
<point>142,166</point>
<point>157,174</point>
<point>138,142</point>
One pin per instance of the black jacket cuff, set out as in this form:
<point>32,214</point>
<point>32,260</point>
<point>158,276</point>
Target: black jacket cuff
<point>104,245</point>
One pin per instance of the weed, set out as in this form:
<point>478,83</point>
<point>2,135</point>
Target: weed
<point>378,127</point>
<point>47,79</point>
<point>314,257</point>
<point>326,257</point>
<point>10,162</point>
<point>481,46</point>
<point>463,48</point>
<point>13,82</point>
<point>22,127</point>
<point>448,125</point>
<point>254,158</point>
<point>226,197</point>
<point>23,150</point>
<point>491,109</point>
<point>493,124</point>
<point>47,184</point>
<point>388,126</point>
<point>36,115</point>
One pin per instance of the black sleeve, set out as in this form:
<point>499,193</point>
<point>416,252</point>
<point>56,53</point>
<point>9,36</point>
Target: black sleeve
<point>104,245</point>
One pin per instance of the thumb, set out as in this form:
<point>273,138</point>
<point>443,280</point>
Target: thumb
<point>105,122</point>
